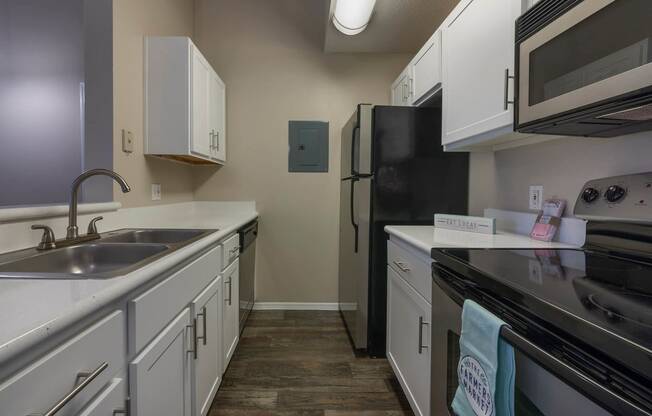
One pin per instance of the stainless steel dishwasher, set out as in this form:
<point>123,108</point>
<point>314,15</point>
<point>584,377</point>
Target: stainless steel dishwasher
<point>248,235</point>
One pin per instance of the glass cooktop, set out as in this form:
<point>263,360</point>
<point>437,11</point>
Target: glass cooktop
<point>603,300</point>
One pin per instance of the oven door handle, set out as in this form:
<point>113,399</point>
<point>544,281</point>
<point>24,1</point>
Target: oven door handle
<point>593,390</point>
<point>590,388</point>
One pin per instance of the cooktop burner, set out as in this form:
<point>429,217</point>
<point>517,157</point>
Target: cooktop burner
<point>612,293</point>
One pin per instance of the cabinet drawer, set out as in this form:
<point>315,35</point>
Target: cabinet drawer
<point>409,266</point>
<point>153,309</point>
<point>99,350</point>
<point>231,250</point>
<point>110,402</point>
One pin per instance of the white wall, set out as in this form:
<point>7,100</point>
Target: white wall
<point>269,53</point>
<point>562,166</point>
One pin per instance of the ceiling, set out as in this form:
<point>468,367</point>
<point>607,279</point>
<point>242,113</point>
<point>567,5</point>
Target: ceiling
<point>397,26</point>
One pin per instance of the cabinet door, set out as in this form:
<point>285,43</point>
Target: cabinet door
<point>478,61</point>
<point>207,312</point>
<point>400,93</point>
<point>231,320</point>
<point>408,341</point>
<point>201,139</point>
<point>217,119</point>
<point>159,377</point>
<point>426,71</point>
<point>109,402</point>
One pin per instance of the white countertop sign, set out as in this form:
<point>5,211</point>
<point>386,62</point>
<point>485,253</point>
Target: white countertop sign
<point>510,226</point>
<point>34,310</point>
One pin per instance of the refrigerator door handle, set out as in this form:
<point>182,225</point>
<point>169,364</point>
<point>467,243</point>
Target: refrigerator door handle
<point>352,212</point>
<point>354,171</point>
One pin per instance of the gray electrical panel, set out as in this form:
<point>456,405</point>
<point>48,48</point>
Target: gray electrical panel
<point>308,144</point>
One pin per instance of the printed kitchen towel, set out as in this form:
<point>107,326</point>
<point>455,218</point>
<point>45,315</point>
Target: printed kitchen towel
<point>486,370</point>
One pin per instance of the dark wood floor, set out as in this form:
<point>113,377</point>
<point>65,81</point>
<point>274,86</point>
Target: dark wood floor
<point>300,363</point>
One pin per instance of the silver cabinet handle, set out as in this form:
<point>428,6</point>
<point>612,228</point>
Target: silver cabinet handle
<point>404,267</point>
<point>507,78</point>
<point>88,378</point>
<point>217,140</point>
<point>234,250</point>
<point>193,350</point>
<point>203,315</point>
<point>230,285</point>
<point>411,87</point>
<point>421,324</point>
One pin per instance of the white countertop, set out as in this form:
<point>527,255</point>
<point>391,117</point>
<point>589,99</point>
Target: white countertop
<point>427,237</point>
<point>33,310</point>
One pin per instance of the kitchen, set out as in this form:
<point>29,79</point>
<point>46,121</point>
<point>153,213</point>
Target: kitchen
<point>271,66</point>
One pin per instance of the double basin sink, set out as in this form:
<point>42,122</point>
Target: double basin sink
<point>113,254</point>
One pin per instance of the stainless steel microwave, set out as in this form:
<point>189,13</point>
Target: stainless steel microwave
<point>584,68</point>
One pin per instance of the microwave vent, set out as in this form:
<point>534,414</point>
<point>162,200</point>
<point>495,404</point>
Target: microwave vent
<point>642,113</point>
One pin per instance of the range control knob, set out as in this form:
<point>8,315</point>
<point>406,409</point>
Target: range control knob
<point>590,194</point>
<point>615,193</point>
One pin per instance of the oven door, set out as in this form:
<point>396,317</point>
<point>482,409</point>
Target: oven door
<point>596,51</point>
<point>537,390</point>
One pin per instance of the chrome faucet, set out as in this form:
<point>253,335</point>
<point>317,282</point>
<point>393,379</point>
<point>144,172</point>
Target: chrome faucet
<point>72,232</point>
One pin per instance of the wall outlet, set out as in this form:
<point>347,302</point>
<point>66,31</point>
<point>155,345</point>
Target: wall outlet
<point>536,197</point>
<point>127,141</point>
<point>156,192</point>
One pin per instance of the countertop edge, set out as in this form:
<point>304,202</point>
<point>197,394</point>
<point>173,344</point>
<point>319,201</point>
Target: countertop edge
<point>132,281</point>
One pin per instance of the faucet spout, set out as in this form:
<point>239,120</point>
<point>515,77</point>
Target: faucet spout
<point>72,230</point>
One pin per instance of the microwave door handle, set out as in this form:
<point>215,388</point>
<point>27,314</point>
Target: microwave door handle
<point>593,390</point>
<point>507,100</point>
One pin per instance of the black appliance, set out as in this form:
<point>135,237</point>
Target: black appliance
<point>394,171</point>
<point>247,279</point>
<point>584,68</point>
<point>581,319</point>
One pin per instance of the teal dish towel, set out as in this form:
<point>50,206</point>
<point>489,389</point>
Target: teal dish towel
<point>486,370</point>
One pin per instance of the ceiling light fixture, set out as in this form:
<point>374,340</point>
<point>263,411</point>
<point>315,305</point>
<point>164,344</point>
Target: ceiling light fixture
<point>352,16</point>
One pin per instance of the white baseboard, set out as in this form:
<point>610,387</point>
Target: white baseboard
<point>295,306</point>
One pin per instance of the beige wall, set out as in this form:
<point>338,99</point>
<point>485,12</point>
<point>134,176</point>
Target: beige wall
<point>562,166</point>
<point>269,55</point>
<point>134,19</point>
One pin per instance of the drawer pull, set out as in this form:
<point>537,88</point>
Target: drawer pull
<point>421,324</point>
<point>402,266</point>
<point>234,250</point>
<point>87,379</point>
<point>203,315</point>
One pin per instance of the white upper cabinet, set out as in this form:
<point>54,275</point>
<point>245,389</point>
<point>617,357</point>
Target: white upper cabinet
<point>426,70</point>
<point>478,70</point>
<point>401,88</point>
<point>184,103</point>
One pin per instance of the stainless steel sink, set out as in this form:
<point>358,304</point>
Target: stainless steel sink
<point>87,260</point>
<point>158,236</point>
<point>113,254</point>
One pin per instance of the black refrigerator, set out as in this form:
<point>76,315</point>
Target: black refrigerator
<point>393,172</point>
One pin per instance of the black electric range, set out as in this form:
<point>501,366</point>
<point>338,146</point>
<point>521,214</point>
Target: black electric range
<point>587,311</point>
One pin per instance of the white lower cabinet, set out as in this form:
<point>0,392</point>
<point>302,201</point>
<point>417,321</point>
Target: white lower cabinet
<point>165,356</point>
<point>110,402</point>
<point>408,341</point>
<point>231,311</point>
<point>207,312</point>
<point>71,374</point>
<point>159,377</point>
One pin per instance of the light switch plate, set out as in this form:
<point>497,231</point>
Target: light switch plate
<point>156,192</point>
<point>535,197</point>
<point>127,141</point>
